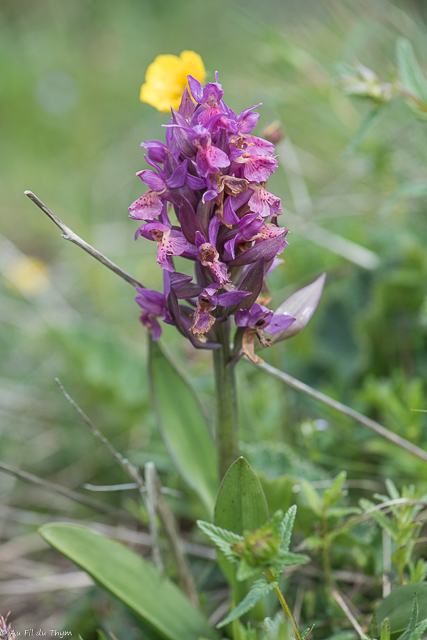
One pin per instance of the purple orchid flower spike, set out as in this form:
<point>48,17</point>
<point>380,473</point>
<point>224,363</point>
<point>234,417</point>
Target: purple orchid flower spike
<point>208,202</point>
<point>302,305</point>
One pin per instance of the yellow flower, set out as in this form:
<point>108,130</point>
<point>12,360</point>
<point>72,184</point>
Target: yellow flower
<point>166,79</point>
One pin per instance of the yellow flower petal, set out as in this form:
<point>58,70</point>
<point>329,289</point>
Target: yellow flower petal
<point>166,79</point>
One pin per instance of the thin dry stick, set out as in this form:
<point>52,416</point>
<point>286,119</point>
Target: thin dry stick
<point>342,408</point>
<point>68,234</point>
<point>174,537</point>
<point>130,469</point>
<point>338,598</point>
<point>67,493</point>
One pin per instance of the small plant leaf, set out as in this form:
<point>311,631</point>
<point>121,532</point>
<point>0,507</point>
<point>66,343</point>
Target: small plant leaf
<point>259,589</point>
<point>222,538</point>
<point>287,526</point>
<point>132,580</point>
<point>419,631</point>
<point>334,493</point>
<point>183,426</point>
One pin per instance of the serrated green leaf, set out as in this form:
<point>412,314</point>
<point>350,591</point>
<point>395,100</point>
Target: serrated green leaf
<point>414,615</point>
<point>399,604</point>
<point>222,538</point>
<point>287,527</point>
<point>259,589</point>
<point>419,631</point>
<point>132,580</point>
<point>392,490</point>
<point>334,493</point>
<point>287,559</point>
<point>183,426</point>
<point>410,73</point>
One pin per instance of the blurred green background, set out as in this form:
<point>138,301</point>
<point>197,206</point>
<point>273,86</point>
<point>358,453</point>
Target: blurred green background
<point>71,123</point>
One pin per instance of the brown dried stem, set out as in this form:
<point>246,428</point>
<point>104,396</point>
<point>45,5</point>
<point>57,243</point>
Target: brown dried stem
<point>68,234</point>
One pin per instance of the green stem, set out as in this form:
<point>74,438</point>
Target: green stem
<point>283,604</point>
<point>227,421</point>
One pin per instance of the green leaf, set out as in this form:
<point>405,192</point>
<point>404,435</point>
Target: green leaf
<point>287,559</point>
<point>410,73</point>
<point>259,589</point>
<point>398,606</point>
<point>385,630</point>
<point>379,517</point>
<point>414,615</point>
<point>419,631</point>
<point>132,580</point>
<point>245,571</point>
<point>222,538</point>
<point>183,426</point>
<point>241,504</point>
<point>287,526</point>
<point>334,493</point>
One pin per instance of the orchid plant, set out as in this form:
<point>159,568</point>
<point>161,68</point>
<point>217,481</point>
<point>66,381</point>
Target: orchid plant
<point>208,202</point>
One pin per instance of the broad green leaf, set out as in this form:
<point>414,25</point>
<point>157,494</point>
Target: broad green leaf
<point>398,606</point>
<point>183,426</point>
<point>222,538</point>
<point>132,580</point>
<point>287,526</point>
<point>410,74</point>
<point>259,589</point>
<point>241,504</point>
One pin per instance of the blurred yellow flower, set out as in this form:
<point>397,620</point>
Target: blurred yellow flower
<point>28,275</point>
<point>166,79</point>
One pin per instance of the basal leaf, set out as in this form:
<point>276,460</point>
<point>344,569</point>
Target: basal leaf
<point>183,426</point>
<point>131,579</point>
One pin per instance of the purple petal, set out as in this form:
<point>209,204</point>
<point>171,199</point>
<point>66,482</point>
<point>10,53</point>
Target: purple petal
<point>189,221</point>
<point>178,177</point>
<point>268,249</point>
<point>278,323</point>
<point>232,297</point>
<point>148,207</point>
<point>195,88</point>
<point>195,183</point>
<point>230,216</point>
<point>152,180</point>
<point>187,106</point>
<point>302,305</point>
<point>156,150</point>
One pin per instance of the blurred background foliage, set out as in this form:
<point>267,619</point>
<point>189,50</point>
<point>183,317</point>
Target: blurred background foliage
<point>71,123</point>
